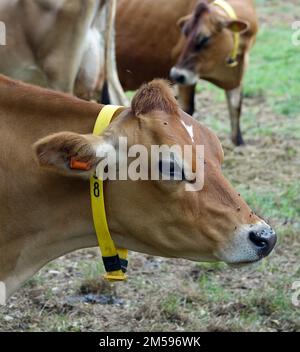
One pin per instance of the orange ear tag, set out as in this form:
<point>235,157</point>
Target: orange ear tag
<point>79,165</point>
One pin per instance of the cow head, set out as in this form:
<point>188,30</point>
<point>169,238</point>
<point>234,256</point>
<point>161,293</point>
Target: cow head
<point>162,217</point>
<point>206,44</point>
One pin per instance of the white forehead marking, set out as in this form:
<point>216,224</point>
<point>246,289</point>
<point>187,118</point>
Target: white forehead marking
<point>189,129</point>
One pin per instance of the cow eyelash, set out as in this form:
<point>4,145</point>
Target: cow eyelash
<point>172,168</point>
<point>172,174</point>
<point>186,30</point>
<point>202,43</point>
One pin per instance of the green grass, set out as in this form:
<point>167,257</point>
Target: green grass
<point>251,307</point>
<point>169,306</point>
<point>92,269</point>
<point>275,70</point>
<point>282,205</point>
<point>270,6</point>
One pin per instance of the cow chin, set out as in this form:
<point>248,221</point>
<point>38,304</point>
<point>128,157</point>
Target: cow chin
<point>250,244</point>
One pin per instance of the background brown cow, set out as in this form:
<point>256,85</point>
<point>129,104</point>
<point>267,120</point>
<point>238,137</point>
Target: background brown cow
<point>152,44</point>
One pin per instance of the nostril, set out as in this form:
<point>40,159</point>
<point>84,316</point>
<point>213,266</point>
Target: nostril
<point>177,76</point>
<point>257,239</point>
<point>263,239</point>
<point>180,79</point>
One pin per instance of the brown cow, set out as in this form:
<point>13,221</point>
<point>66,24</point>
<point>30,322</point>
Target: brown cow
<point>62,44</point>
<point>151,44</point>
<point>45,212</point>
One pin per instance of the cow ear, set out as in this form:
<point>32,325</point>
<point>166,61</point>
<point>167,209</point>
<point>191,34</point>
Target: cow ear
<point>70,153</point>
<point>183,20</point>
<point>237,26</point>
<point>155,96</point>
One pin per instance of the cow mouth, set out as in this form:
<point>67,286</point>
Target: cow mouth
<point>244,264</point>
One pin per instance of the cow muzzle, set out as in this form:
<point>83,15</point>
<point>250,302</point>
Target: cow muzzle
<point>183,76</point>
<point>250,243</point>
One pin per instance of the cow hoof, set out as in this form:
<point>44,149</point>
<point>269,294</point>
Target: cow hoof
<point>238,141</point>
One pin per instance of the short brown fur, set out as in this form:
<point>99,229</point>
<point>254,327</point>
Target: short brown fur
<point>156,95</point>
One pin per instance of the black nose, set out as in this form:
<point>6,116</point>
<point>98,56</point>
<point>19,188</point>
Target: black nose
<point>177,76</point>
<point>264,240</point>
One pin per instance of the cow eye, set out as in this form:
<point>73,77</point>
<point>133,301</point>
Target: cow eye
<point>170,170</point>
<point>201,43</point>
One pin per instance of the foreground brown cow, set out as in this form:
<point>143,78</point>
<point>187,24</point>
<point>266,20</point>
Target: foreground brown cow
<point>66,45</point>
<point>45,212</point>
<point>149,44</point>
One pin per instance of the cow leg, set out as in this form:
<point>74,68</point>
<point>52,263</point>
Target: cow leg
<point>234,101</point>
<point>186,97</point>
<point>105,97</point>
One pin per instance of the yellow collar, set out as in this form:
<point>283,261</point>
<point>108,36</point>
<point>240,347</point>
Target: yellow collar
<point>232,60</point>
<point>114,259</point>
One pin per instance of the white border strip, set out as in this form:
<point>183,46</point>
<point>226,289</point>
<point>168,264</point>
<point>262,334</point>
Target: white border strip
<point>2,293</point>
<point>2,33</point>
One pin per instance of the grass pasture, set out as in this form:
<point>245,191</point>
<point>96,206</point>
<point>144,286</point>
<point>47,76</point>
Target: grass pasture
<point>166,294</point>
